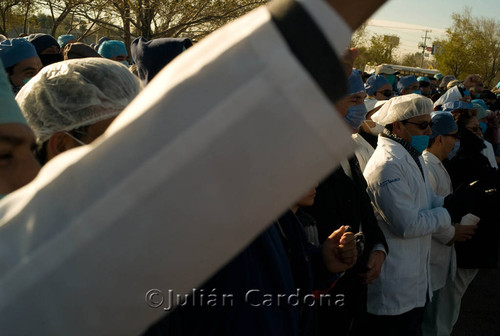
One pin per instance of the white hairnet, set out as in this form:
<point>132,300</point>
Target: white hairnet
<point>402,108</point>
<point>75,93</point>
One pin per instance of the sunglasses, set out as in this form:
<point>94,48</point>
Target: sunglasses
<point>423,125</point>
<point>386,93</point>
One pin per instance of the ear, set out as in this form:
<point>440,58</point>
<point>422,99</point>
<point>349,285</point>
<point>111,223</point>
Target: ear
<point>396,126</point>
<point>57,144</point>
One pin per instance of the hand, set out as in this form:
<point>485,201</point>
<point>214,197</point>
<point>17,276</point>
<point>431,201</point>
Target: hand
<point>339,251</point>
<point>374,266</point>
<point>348,59</point>
<point>462,233</point>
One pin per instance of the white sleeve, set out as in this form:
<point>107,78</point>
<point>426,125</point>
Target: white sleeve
<point>395,202</point>
<point>218,145</point>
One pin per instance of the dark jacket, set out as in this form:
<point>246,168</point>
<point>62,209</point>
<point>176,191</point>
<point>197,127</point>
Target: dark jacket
<point>278,262</point>
<point>467,166</point>
<point>339,201</point>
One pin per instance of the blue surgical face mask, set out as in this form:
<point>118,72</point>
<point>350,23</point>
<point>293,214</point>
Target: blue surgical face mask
<point>126,63</point>
<point>417,92</point>
<point>356,115</point>
<point>390,79</point>
<point>420,142</point>
<point>454,151</point>
<point>483,126</point>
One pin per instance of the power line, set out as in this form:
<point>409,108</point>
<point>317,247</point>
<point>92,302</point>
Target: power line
<point>393,27</point>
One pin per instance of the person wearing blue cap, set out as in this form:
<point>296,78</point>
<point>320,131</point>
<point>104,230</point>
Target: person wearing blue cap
<point>357,94</point>
<point>469,164</point>
<point>408,84</point>
<point>152,56</point>
<point>443,142</point>
<point>377,88</point>
<point>114,50</point>
<point>425,86</point>
<point>18,165</point>
<point>46,47</point>
<point>65,39</point>
<point>20,60</point>
<point>341,199</point>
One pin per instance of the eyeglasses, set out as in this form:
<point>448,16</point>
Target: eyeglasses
<point>423,125</point>
<point>386,93</point>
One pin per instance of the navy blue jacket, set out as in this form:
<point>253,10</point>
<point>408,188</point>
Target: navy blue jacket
<point>278,262</point>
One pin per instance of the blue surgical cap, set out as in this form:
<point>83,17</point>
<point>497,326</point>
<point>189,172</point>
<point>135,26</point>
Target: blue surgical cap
<point>480,102</point>
<point>356,82</point>
<point>374,83</point>
<point>10,114</point>
<point>64,39</point>
<point>481,111</point>
<point>42,41</point>
<point>423,79</point>
<point>13,51</point>
<point>112,48</point>
<point>438,76</point>
<point>457,104</point>
<point>405,82</point>
<point>443,123</point>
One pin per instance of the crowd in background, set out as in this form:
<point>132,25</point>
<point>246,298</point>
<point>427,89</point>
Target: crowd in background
<point>428,154</point>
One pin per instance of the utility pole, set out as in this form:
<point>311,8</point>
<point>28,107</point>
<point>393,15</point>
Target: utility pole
<point>424,45</point>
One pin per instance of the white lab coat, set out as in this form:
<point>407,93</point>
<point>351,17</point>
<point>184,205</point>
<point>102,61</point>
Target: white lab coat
<point>443,257</point>
<point>408,213</point>
<point>363,152</point>
<point>215,148</point>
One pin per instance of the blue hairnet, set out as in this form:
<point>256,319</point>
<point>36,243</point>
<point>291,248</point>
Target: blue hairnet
<point>356,82</point>
<point>374,83</point>
<point>443,123</point>
<point>11,114</point>
<point>481,111</point>
<point>405,82</point>
<point>112,48</point>
<point>13,51</point>
<point>64,39</point>
<point>457,104</point>
<point>480,102</point>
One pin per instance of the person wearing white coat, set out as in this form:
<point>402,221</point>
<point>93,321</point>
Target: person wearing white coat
<point>408,212</point>
<point>217,146</point>
<point>443,257</point>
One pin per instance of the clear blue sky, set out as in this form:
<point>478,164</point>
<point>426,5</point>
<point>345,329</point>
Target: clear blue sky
<point>419,15</point>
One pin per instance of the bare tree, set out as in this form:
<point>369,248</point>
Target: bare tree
<point>6,7</point>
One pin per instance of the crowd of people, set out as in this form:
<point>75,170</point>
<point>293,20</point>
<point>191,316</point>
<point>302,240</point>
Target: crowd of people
<point>384,242</point>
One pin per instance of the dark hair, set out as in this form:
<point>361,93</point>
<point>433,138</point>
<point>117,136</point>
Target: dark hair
<point>10,70</point>
<point>463,116</point>
<point>431,142</point>
<point>41,150</point>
